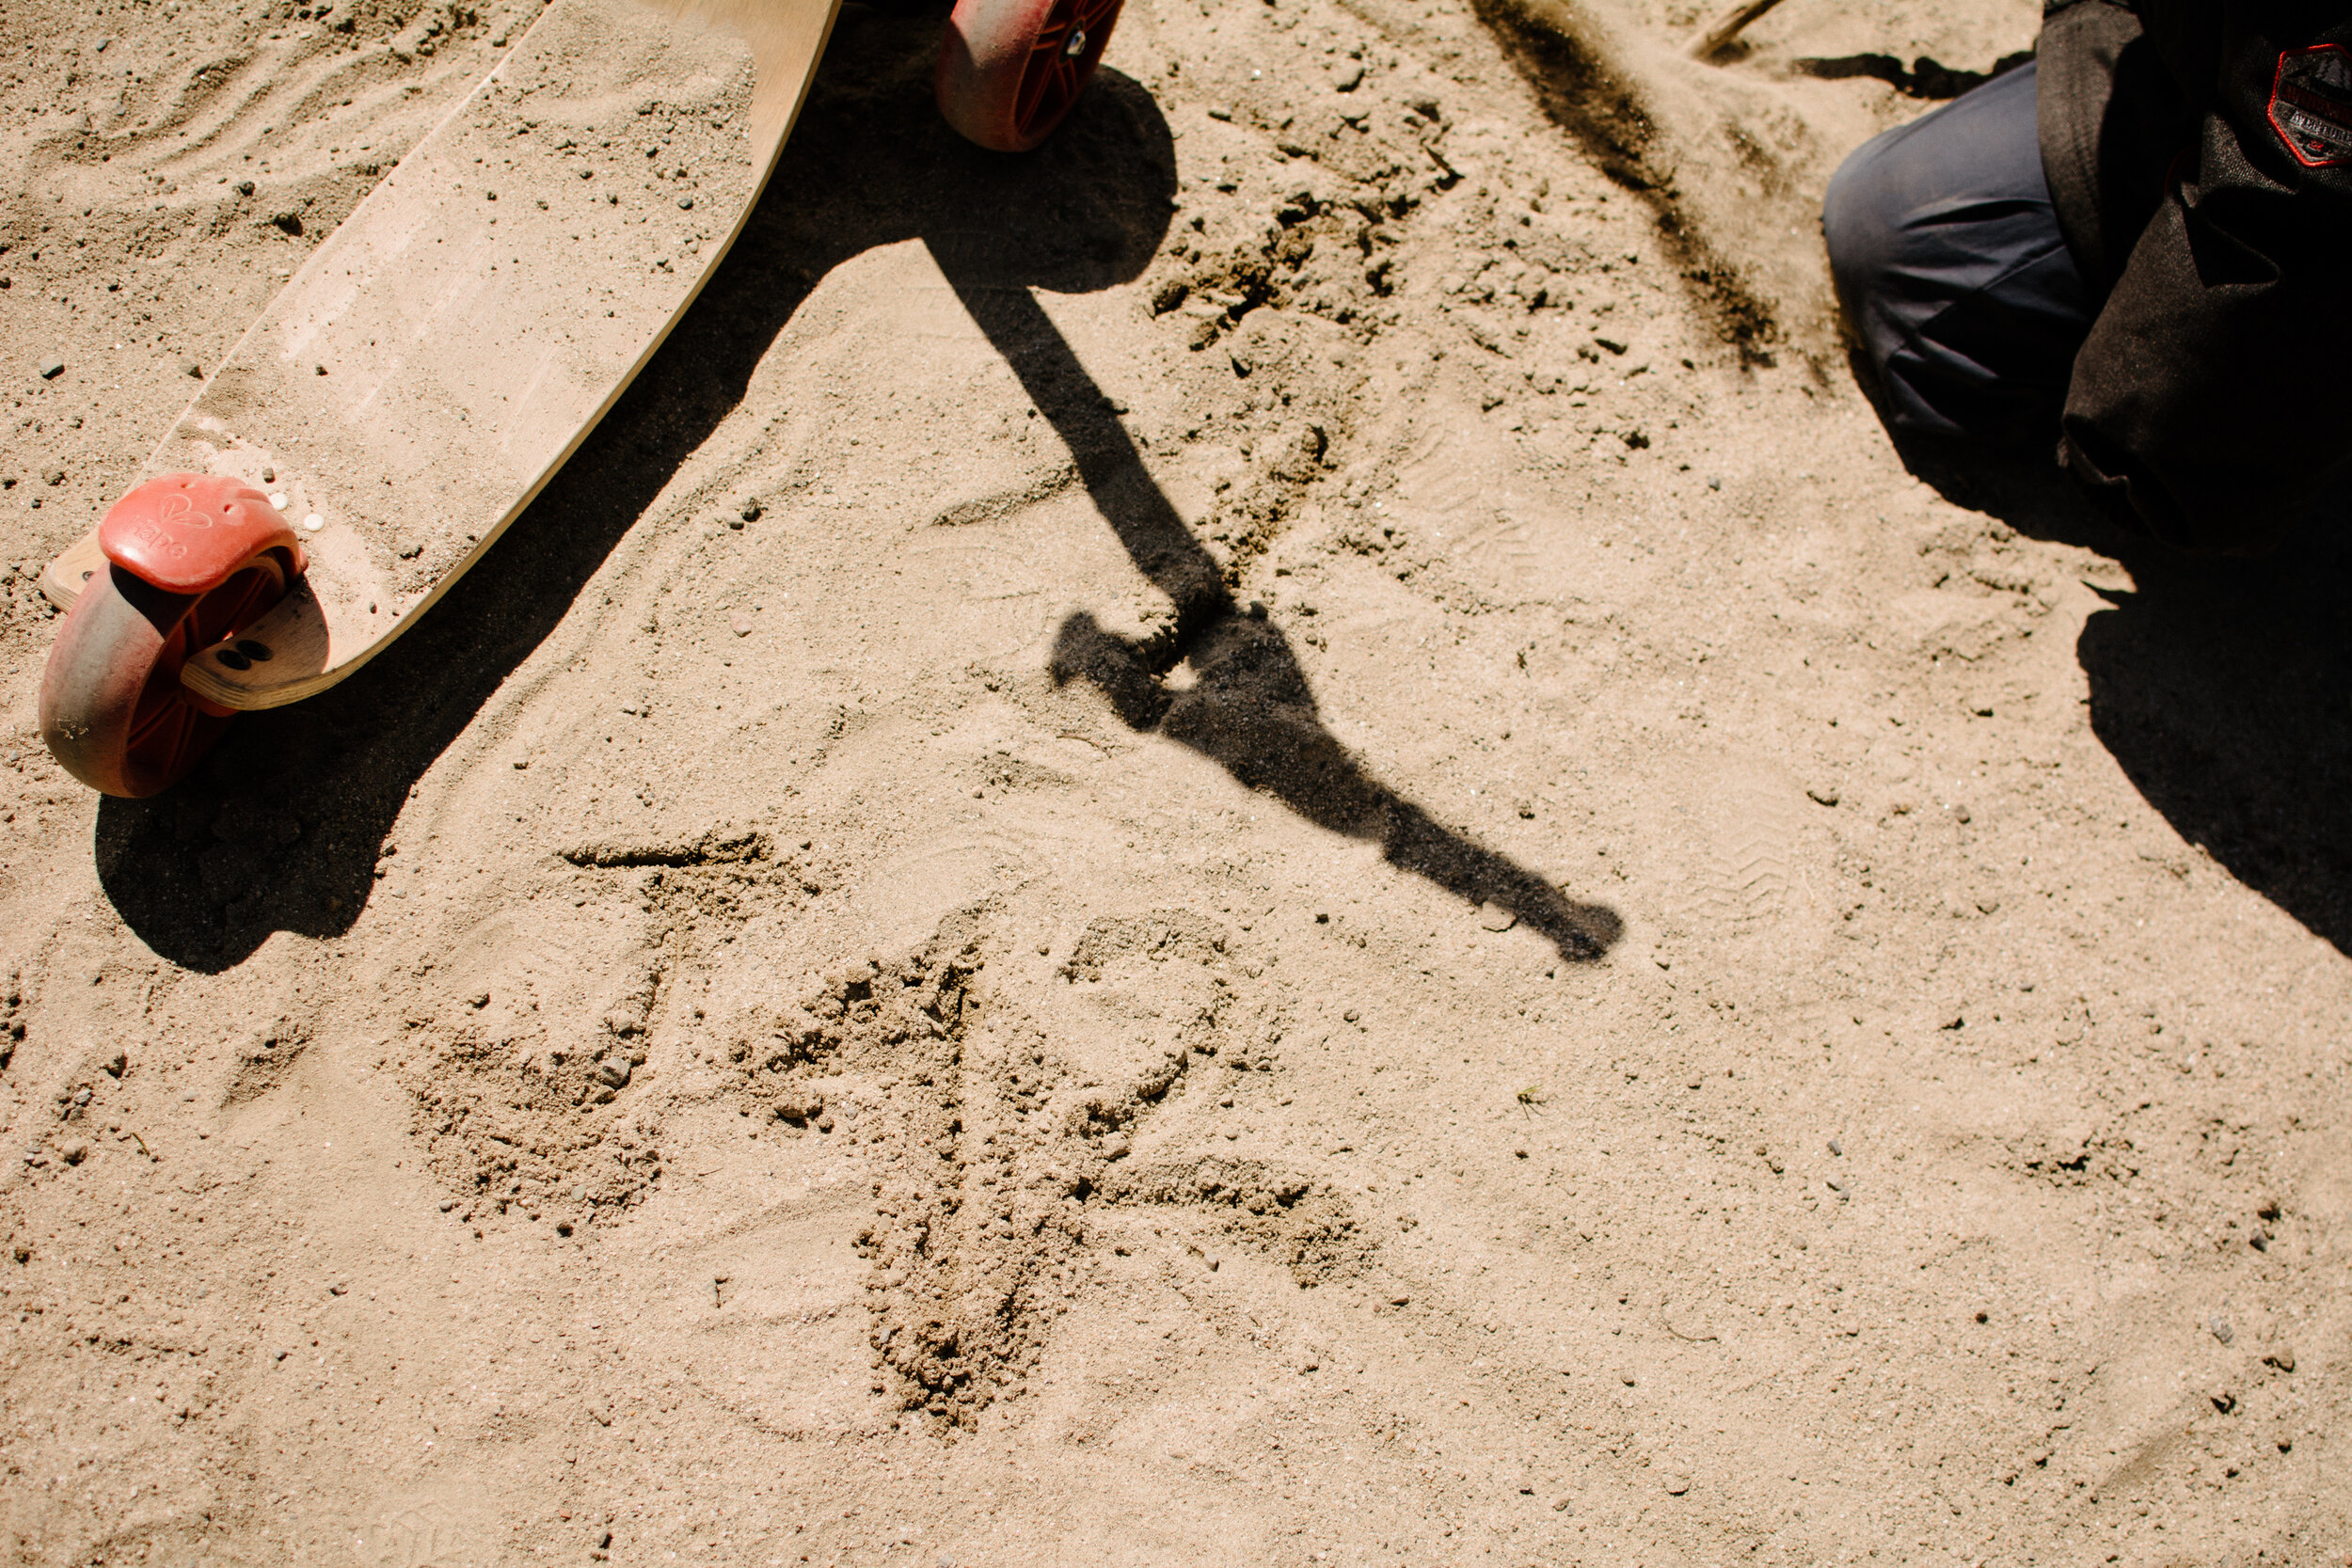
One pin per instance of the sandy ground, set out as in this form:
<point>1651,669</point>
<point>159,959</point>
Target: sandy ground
<point>1275,838</point>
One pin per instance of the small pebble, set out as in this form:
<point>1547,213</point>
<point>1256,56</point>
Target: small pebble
<point>52,369</point>
<point>2220,1329</point>
<point>1837,1148</point>
<point>2282,1358</point>
<point>614,1071</point>
<point>1494,917</point>
<point>76,1152</point>
<point>190,368</point>
<point>750,511</point>
<point>1676,1484</point>
<point>685,202</point>
<point>269,476</point>
<point>244,187</point>
<point>1626,1378</point>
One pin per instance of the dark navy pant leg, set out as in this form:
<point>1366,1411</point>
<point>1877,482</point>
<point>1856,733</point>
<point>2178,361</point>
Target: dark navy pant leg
<point>1951,269</point>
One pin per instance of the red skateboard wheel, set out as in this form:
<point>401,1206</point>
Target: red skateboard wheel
<point>112,708</point>
<point>1010,70</point>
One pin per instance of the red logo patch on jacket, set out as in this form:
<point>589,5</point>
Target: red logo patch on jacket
<point>2311,104</point>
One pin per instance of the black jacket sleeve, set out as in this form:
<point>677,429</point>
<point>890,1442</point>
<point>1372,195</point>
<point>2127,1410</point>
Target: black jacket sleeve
<point>2210,402</point>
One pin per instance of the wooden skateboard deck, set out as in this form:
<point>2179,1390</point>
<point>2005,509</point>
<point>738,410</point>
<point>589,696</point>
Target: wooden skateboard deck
<point>442,354</point>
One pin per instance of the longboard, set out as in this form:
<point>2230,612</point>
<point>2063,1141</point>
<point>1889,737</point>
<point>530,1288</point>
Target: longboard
<point>439,356</point>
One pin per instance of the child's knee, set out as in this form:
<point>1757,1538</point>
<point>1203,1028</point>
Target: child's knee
<point>1858,223</point>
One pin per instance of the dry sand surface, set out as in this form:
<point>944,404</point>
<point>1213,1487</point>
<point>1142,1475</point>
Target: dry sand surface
<point>1275,838</point>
